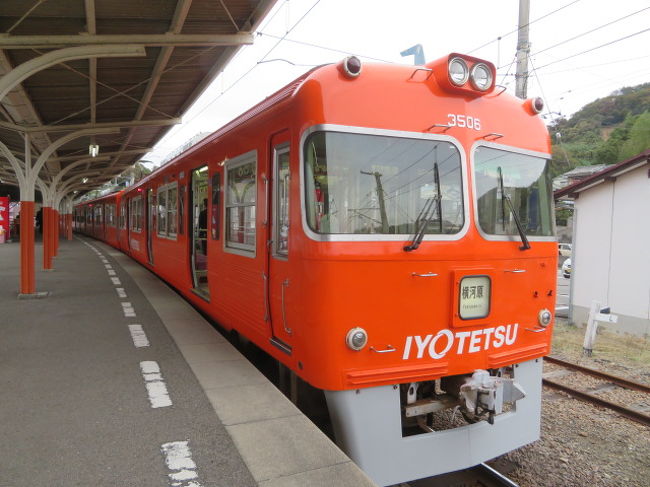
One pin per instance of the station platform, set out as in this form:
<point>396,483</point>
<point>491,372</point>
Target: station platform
<point>113,379</point>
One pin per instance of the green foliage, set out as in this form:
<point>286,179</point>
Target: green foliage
<point>584,139</point>
<point>639,137</point>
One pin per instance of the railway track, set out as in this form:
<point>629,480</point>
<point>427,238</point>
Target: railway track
<point>632,414</point>
<point>481,475</point>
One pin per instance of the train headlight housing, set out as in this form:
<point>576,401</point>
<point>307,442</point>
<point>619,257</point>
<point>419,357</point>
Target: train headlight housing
<point>351,66</point>
<point>458,71</point>
<point>356,339</point>
<point>544,317</point>
<point>481,77</point>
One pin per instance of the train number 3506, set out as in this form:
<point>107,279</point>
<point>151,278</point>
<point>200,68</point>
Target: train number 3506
<point>463,121</point>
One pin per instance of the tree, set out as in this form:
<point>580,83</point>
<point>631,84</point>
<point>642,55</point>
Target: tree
<point>639,138</point>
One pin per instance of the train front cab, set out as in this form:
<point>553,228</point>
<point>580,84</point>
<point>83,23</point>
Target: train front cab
<point>434,255</point>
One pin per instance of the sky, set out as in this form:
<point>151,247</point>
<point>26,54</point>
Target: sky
<point>580,49</point>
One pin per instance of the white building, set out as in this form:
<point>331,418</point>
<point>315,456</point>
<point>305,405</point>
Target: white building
<point>611,244</point>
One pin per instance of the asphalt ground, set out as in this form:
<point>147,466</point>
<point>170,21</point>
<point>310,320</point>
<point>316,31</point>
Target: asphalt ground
<point>74,408</point>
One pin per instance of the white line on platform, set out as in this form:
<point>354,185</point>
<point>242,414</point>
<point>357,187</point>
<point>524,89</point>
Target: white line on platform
<point>121,292</point>
<point>111,272</point>
<point>138,335</point>
<point>178,459</point>
<point>116,281</point>
<point>107,265</point>
<point>156,388</point>
<point>128,309</point>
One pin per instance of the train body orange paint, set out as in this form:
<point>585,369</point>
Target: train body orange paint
<point>289,225</point>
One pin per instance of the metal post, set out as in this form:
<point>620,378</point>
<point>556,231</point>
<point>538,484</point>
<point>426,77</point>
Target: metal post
<point>523,49</point>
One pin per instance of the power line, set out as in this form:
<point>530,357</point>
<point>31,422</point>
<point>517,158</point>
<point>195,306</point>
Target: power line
<point>522,26</point>
<point>595,48</point>
<point>340,51</point>
<point>262,60</point>
<point>590,31</point>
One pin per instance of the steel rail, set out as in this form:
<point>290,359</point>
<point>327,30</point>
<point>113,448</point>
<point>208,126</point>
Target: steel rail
<point>495,475</point>
<point>628,384</point>
<point>628,413</point>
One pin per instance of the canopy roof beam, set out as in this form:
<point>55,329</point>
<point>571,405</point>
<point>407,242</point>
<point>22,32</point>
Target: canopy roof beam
<point>173,40</point>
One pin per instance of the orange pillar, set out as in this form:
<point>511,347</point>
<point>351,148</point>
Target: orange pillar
<point>56,217</point>
<point>47,237</point>
<point>68,227</point>
<point>27,272</point>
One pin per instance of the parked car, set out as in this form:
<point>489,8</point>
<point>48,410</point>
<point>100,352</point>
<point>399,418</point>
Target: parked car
<point>564,249</point>
<point>566,268</point>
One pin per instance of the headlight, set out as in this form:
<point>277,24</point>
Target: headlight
<point>545,317</point>
<point>356,338</point>
<point>458,72</point>
<point>481,77</point>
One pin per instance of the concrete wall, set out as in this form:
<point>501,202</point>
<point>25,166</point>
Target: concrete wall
<point>611,260</point>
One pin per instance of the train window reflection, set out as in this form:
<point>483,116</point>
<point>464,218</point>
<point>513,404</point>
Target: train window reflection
<point>525,180</point>
<point>372,184</point>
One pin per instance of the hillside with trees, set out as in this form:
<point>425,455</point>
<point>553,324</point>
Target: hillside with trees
<point>606,131</point>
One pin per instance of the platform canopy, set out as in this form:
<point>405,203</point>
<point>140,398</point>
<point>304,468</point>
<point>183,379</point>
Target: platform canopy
<point>129,67</point>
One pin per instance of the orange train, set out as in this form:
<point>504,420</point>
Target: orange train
<point>384,231</point>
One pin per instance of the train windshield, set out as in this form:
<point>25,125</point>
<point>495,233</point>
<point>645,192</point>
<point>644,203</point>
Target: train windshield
<point>375,184</point>
<point>525,180</point>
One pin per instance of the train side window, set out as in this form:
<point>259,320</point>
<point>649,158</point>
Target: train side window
<point>123,215</point>
<point>281,201</point>
<point>167,210</point>
<point>136,214</point>
<point>110,215</point>
<point>214,217</point>
<point>241,196</point>
<point>181,208</point>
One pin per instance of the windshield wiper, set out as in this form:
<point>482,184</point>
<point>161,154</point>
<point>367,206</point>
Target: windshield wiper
<point>520,229</point>
<point>428,212</point>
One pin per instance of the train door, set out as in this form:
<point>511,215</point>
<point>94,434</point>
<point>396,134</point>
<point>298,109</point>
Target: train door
<point>151,211</point>
<point>280,288</point>
<point>199,231</point>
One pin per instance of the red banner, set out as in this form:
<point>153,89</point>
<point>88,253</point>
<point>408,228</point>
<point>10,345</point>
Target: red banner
<point>4,215</point>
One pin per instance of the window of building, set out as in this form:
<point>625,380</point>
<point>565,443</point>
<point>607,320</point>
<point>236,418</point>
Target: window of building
<point>241,194</point>
<point>167,210</point>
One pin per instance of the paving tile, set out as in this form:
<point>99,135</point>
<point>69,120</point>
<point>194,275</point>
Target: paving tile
<point>340,475</point>
<point>209,352</point>
<point>226,373</point>
<point>285,446</point>
<point>196,336</point>
<point>244,404</point>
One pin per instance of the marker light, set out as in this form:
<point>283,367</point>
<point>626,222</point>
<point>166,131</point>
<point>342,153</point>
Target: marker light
<point>356,338</point>
<point>351,66</point>
<point>481,77</point>
<point>544,317</point>
<point>537,105</point>
<point>458,71</point>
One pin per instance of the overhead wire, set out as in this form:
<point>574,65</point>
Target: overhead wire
<point>522,26</point>
<point>262,60</point>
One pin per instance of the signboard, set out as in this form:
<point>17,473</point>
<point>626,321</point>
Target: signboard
<point>474,299</point>
<point>4,215</point>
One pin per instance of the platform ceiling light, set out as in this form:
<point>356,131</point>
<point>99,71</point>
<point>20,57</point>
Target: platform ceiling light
<point>458,71</point>
<point>93,150</point>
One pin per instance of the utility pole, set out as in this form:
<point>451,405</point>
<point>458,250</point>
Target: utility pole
<point>380,197</point>
<point>523,49</point>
